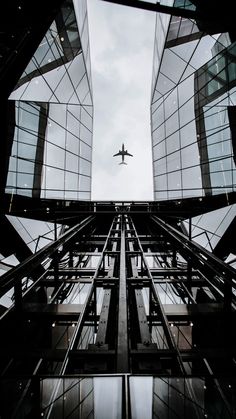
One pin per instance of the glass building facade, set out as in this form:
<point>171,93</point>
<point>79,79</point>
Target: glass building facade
<point>192,110</point>
<point>119,310</point>
<point>51,113</point>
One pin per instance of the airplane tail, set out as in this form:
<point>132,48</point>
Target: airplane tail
<point>122,162</point>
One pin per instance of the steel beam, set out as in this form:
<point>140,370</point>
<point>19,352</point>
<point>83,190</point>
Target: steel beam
<point>122,333</point>
<point>13,276</point>
<point>215,271</point>
<point>157,7</point>
<point>103,320</point>
<point>142,318</point>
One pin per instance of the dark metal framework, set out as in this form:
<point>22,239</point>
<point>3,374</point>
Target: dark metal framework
<point>118,293</point>
<point>211,16</point>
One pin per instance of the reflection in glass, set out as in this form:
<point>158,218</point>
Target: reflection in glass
<point>52,124</point>
<point>107,397</point>
<point>141,389</point>
<point>98,398</point>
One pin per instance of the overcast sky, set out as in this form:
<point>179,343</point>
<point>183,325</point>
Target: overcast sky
<point>121,45</point>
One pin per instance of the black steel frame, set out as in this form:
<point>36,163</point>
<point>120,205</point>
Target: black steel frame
<point>149,301</point>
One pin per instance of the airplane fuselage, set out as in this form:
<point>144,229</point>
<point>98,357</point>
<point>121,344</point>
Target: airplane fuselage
<point>123,153</point>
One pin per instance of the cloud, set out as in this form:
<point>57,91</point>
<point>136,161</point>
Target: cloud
<point>121,40</point>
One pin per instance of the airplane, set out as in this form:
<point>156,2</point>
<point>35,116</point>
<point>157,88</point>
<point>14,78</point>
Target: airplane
<point>123,153</point>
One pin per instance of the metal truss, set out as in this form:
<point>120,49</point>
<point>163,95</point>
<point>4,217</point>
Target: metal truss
<point>120,293</point>
<point>211,16</point>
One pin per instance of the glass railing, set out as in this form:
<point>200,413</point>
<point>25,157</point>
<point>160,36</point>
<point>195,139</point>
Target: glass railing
<point>119,396</point>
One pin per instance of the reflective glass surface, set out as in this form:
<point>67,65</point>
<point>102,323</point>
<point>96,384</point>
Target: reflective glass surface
<point>52,124</point>
<point>98,398</point>
<point>192,110</point>
<point>208,229</point>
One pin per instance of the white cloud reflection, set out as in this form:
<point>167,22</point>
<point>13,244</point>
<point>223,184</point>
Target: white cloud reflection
<point>121,42</point>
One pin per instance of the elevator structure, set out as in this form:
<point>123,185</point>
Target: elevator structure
<point>123,315</point>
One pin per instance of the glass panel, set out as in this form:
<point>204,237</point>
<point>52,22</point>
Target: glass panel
<point>188,134</point>
<point>55,76</point>
<point>141,397</point>
<point>85,135</point>
<point>186,112</point>
<point>98,398</point>
<point>72,143</point>
<point>55,156</point>
<point>159,134</point>
<point>161,183</point>
<point>172,143</point>
<point>55,179</point>
<point>173,72</point>
<point>65,88</point>
<point>159,150</point>
<point>61,398</point>
<point>172,124</point>
<point>84,183</point>
<point>85,167</point>
<point>173,162</point>
<point>71,182</point>
<point>190,156</point>
<point>82,89</point>
<point>185,89</point>
<point>158,116</point>
<point>86,118</point>
<point>72,163</point>
<point>85,151</point>
<point>178,398</point>
<point>192,180</point>
<point>107,397</point>
<point>86,196</point>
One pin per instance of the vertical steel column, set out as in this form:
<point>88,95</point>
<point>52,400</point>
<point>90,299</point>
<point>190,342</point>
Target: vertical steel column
<point>145,334</point>
<point>189,267</point>
<point>56,257</point>
<point>122,338</point>
<point>103,321</point>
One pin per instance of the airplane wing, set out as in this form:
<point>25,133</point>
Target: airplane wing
<point>128,154</point>
<point>117,154</point>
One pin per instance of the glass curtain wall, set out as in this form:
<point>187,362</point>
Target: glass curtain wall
<point>53,113</point>
<point>192,110</point>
